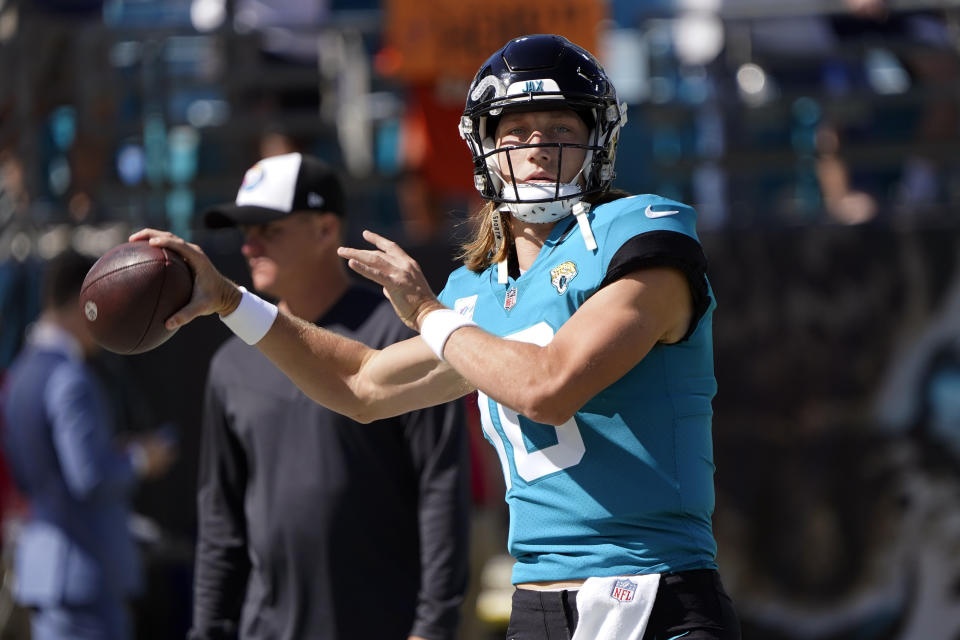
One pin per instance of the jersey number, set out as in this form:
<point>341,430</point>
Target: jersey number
<point>530,465</point>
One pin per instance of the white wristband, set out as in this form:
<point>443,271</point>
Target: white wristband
<point>252,318</point>
<point>438,325</point>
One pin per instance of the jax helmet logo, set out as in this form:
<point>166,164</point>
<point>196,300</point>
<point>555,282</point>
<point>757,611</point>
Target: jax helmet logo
<point>561,275</point>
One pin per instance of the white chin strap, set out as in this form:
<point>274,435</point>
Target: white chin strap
<point>542,212</point>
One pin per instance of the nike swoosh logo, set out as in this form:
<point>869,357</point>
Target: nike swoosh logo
<point>679,636</point>
<point>658,214</point>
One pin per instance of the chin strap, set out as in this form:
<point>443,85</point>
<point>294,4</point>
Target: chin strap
<point>580,211</point>
<point>496,222</point>
<point>535,202</point>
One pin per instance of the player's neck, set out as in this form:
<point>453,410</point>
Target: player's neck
<point>528,239</point>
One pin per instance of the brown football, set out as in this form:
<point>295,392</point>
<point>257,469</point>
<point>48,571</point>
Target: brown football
<point>129,293</point>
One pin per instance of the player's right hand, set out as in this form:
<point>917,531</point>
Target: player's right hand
<point>401,277</point>
<point>212,291</point>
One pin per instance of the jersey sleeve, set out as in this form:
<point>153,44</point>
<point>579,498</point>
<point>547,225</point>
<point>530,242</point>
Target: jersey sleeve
<point>649,231</point>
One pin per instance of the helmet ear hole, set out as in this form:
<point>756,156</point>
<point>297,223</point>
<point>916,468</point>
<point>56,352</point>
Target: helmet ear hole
<point>492,178</point>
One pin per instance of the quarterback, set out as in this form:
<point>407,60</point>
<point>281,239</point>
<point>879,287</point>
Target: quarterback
<point>582,317</point>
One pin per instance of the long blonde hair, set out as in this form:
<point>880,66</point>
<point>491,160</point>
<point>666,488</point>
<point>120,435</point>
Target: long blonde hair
<point>482,250</point>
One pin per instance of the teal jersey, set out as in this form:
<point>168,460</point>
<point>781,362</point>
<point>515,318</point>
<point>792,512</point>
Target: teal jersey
<point>626,485</point>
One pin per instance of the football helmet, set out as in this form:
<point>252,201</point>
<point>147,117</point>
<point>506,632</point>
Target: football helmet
<point>548,72</point>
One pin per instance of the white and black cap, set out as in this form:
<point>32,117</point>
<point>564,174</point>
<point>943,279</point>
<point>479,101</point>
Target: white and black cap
<point>277,186</point>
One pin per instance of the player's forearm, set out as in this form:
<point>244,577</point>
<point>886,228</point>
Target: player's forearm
<point>546,384</point>
<point>615,329</point>
<point>321,363</point>
<point>352,379</point>
<point>516,374</point>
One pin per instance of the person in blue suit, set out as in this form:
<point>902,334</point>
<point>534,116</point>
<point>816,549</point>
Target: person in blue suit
<point>582,316</point>
<point>75,562</point>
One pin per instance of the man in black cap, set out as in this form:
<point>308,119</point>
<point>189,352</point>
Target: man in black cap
<point>311,525</point>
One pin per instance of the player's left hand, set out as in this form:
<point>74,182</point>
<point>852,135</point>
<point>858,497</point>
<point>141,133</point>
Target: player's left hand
<point>400,276</point>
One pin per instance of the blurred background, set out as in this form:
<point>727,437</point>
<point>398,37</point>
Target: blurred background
<point>819,141</point>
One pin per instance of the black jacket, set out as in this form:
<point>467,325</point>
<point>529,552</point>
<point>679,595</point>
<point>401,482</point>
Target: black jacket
<point>314,526</point>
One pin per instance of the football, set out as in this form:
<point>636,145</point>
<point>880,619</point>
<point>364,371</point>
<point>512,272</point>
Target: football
<point>129,293</point>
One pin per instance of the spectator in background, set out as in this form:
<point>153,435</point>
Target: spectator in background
<point>905,50</point>
<point>75,563</point>
<point>288,42</point>
<point>20,269</point>
<point>923,41</point>
<point>305,515</point>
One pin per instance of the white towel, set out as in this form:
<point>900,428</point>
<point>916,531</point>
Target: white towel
<point>615,608</point>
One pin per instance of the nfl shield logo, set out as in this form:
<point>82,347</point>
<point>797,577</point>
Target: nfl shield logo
<point>511,299</point>
<point>623,590</point>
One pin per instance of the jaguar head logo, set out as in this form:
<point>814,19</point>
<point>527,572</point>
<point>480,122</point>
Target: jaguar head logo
<point>561,275</point>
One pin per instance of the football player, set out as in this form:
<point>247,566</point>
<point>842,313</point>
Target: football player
<point>583,319</point>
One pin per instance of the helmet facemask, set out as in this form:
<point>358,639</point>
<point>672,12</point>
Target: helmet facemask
<point>542,202</point>
<point>537,202</point>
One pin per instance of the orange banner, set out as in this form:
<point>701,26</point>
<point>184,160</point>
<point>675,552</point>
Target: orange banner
<point>450,39</point>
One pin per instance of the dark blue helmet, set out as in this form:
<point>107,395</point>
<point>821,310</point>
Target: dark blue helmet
<point>549,72</point>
